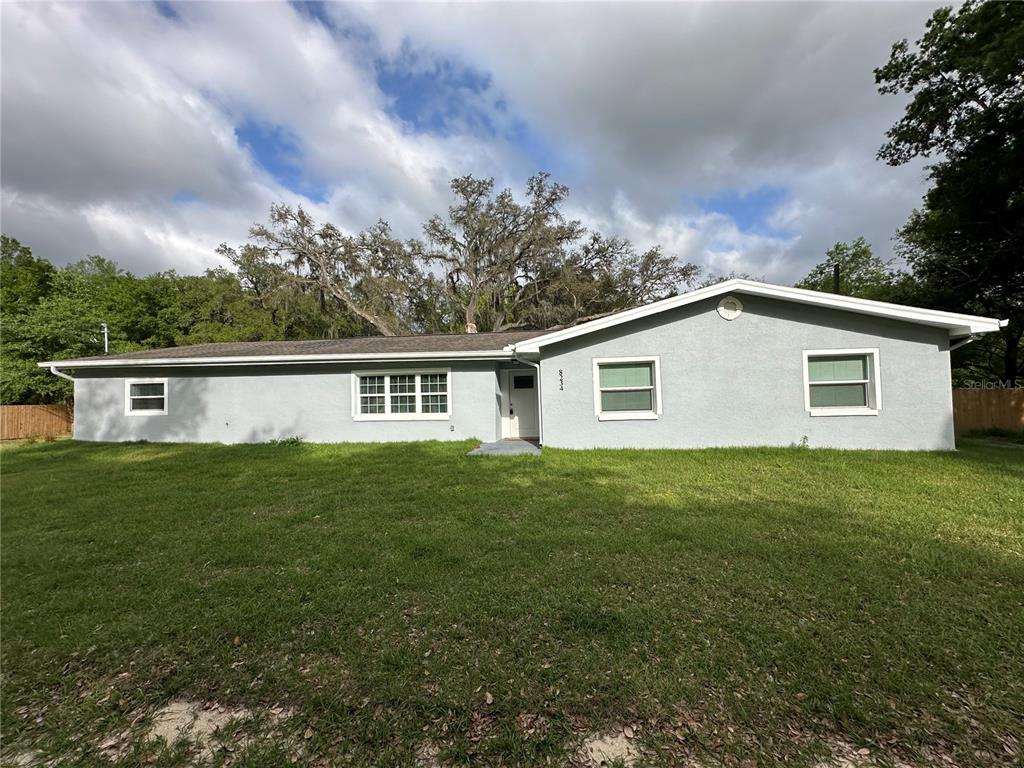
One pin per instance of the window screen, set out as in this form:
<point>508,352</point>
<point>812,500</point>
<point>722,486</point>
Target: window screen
<point>147,396</point>
<point>839,381</point>
<point>626,387</point>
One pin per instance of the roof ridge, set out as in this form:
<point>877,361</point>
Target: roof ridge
<point>363,336</point>
<point>420,346</point>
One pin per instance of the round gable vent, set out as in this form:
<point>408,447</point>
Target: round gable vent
<point>730,307</point>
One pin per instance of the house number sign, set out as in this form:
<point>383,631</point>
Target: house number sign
<point>561,380</point>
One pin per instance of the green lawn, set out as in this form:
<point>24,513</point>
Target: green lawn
<point>735,605</point>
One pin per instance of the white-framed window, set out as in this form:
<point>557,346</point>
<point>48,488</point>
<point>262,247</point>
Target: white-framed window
<point>401,395</point>
<point>627,388</point>
<point>145,397</point>
<point>842,382</point>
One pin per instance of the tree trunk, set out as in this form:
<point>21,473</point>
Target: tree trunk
<point>470,314</point>
<point>379,323</point>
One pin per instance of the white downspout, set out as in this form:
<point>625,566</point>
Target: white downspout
<point>55,372</point>
<point>540,399</point>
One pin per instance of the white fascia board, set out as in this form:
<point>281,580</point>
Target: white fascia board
<point>235,360</point>
<point>956,324</point>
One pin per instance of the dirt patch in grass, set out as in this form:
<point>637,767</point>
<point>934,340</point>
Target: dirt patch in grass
<point>481,726</point>
<point>428,755</point>
<point>845,755</point>
<point>202,727</point>
<point>707,738</point>
<point>529,724</point>
<point>25,760</point>
<point>198,723</point>
<point>609,750</point>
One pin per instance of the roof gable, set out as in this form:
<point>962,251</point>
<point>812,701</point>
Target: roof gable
<point>956,324</point>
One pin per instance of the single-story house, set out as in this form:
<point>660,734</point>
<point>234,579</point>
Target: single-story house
<point>737,363</point>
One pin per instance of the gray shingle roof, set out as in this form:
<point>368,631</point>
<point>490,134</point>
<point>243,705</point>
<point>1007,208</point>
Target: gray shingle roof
<point>369,345</point>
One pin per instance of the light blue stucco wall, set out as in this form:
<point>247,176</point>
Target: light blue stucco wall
<point>256,404</point>
<point>740,382</point>
<point>724,383</point>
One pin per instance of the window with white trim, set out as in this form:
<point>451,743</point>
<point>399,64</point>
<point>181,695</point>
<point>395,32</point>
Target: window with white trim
<point>401,395</point>
<point>627,388</point>
<point>145,397</point>
<point>841,382</point>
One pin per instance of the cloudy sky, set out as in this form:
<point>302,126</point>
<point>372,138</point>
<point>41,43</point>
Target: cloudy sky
<point>738,136</point>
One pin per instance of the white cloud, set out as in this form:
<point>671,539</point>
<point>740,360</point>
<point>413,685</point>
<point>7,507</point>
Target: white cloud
<point>111,111</point>
<point>710,239</point>
<point>666,100</point>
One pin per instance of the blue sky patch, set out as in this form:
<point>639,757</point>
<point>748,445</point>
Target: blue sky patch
<point>543,154</point>
<point>442,97</point>
<point>750,209</point>
<point>185,197</point>
<point>438,97</point>
<point>279,152</point>
<point>166,9</point>
<point>313,9</point>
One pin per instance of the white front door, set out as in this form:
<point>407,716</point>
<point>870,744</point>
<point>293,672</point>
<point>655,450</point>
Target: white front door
<point>522,404</point>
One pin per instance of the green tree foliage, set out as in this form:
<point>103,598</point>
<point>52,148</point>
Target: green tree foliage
<point>50,313</point>
<point>371,276</point>
<point>714,278</point>
<point>509,264</point>
<point>24,279</point>
<point>861,274</point>
<point>966,244</point>
<point>496,253</point>
<point>494,262</point>
<point>62,319</point>
<point>601,275</point>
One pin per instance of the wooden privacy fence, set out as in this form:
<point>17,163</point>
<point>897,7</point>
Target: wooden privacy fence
<point>973,409</point>
<point>988,409</point>
<point>24,421</point>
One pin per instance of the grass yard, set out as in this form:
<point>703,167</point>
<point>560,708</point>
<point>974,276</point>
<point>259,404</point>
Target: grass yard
<point>408,604</point>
